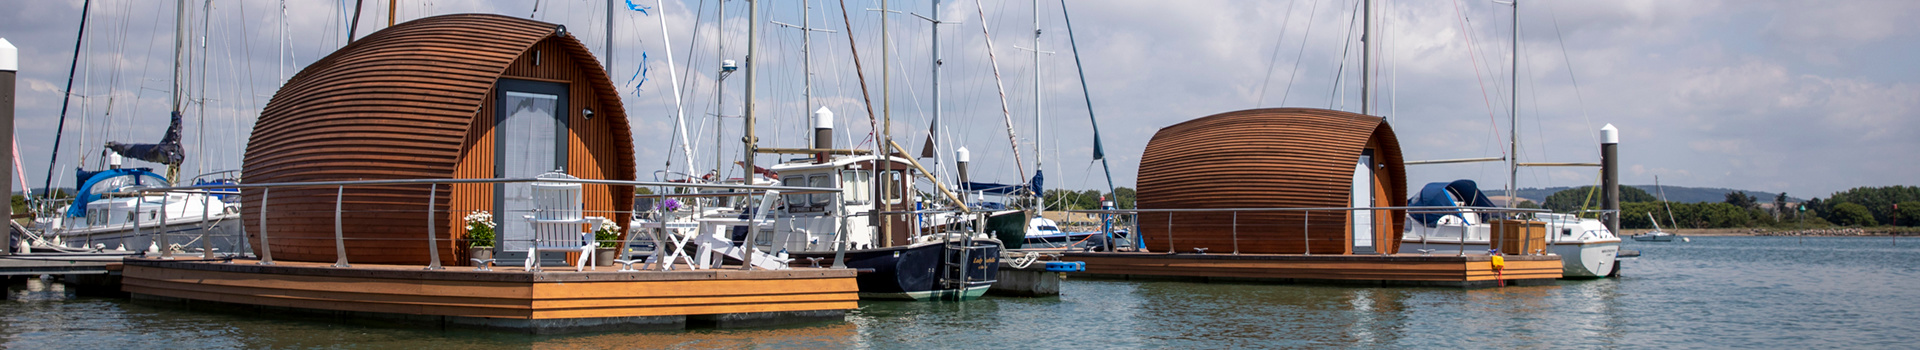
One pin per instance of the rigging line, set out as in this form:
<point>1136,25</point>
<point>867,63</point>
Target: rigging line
<point>1288,91</point>
<point>1476,73</point>
<point>1339,73</point>
<point>1012,139</point>
<point>1273,60</point>
<point>1576,82</point>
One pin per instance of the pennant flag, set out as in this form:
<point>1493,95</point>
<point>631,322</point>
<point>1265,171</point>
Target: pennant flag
<point>640,74</point>
<point>642,9</point>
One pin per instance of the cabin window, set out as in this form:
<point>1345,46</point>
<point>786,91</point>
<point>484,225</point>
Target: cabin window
<point>795,202</point>
<point>821,200</point>
<point>890,186</point>
<point>856,183</point>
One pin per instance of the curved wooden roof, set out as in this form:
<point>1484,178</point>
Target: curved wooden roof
<point>397,104</point>
<point>1264,158</point>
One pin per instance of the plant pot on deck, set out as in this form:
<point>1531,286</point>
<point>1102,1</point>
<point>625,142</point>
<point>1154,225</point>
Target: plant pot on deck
<point>603,256</point>
<point>482,253</point>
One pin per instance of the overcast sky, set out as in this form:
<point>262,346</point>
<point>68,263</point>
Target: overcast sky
<point>1807,97</point>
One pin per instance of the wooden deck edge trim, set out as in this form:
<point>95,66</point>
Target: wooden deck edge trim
<point>554,275</point>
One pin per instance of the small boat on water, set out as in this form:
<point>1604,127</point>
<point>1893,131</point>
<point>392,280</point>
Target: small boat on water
<point>1657,235</point>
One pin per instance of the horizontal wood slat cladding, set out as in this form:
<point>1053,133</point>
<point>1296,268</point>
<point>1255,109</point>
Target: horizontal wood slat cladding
<point>413,101</point>
<point>686,295</point>
<point>1267,158</point>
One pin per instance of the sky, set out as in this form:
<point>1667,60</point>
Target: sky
<point>1806,97</point>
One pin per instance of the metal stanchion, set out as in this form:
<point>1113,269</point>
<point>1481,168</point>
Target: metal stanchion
<point>266,247</point>
<point>339,238</point>
<point>433,252</point>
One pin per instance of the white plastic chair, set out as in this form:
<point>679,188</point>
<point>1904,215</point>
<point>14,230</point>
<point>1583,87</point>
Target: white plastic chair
<point>556,221</point>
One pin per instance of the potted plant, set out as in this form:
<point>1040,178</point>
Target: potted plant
<point>608,237</point>
<point>480,234</point>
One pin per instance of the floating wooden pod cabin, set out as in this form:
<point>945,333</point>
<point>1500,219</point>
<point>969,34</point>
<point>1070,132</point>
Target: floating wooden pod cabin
<point>1274,158</point>
<point>448,97</point>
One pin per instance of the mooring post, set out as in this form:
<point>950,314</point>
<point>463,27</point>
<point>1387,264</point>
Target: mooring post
<point>9,69</point>
<point>339,239</point>
<point>266,247</point>
<point>433,252</point>
<point>206,236</point>
<point>1610,176</point>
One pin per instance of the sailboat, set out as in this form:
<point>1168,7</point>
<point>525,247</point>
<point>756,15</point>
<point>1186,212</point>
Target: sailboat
<point>1658,234</point>
<point>104,216</point>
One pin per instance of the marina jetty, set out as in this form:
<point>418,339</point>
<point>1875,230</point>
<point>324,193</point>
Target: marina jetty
<point>365,172</point>
<point>1296,195</point>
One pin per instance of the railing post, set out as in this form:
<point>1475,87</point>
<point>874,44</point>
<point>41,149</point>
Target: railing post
<point>266,247</point>
<point>166,245</point>
<point>840,233</point>
<point>433,251</point>
<point>339,238</point>
<point>1170,234</point>
<point>206,239</point>
<point>1306,233</point>
<point>1236,232</point>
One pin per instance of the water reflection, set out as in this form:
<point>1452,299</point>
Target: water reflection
<point>1744,292</point>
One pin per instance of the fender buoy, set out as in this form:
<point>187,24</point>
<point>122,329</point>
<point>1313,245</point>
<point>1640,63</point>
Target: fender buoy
<point>1499,265</point>
<point>1066,266</point>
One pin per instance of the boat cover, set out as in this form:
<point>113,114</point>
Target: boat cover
<point>1005,189</point>
<point>1445,194</point>
<point>94,184</point>
<point>167,152</point>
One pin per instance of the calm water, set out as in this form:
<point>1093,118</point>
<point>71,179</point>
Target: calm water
<point>1715,292</point>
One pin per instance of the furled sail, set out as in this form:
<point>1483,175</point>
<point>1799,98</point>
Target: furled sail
<point>168,151</point>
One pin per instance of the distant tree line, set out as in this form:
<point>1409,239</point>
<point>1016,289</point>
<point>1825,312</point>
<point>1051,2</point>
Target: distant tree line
<point>1858,207</point>
<point>1060,199</point>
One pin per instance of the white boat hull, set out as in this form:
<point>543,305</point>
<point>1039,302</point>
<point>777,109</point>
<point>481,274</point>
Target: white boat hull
<point>222,232</point>
<point>1578,259</point>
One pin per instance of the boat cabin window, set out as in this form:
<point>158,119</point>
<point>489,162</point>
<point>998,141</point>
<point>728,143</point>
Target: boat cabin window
<point>821,200</point>
<point>1566,232</point>
<point>795,202</point>
<point>857,183</point>
<point>890,186</point>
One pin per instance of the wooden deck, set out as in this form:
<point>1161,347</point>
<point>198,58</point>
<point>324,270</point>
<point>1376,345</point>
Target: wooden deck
<point>1471,271</point>
<point>555,301</point>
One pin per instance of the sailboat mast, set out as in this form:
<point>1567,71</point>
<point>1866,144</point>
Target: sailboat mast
<point>1366,56</point>
<point>719,91</point>
<point>679,105</point>
<point>1513,110</point>
<point>935,136</point>
<point>748,141</point>
<point>46,186</point>
<point>806,58</point>
<point>888,181</point>
<point>609,44</point>
<point>200,146</point>
<point>1039,142</point>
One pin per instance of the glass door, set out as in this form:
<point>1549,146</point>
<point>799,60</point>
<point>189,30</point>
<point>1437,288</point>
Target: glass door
<point>530,138</point>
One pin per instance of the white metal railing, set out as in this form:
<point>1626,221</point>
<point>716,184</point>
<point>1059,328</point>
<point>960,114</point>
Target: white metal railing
<point>1137,239</point>
<point>265,254</point>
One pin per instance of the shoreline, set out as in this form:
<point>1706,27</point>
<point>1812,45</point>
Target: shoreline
<point>1755,232</point>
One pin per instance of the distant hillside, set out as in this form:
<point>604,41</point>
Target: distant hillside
<point>1674,193</point>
